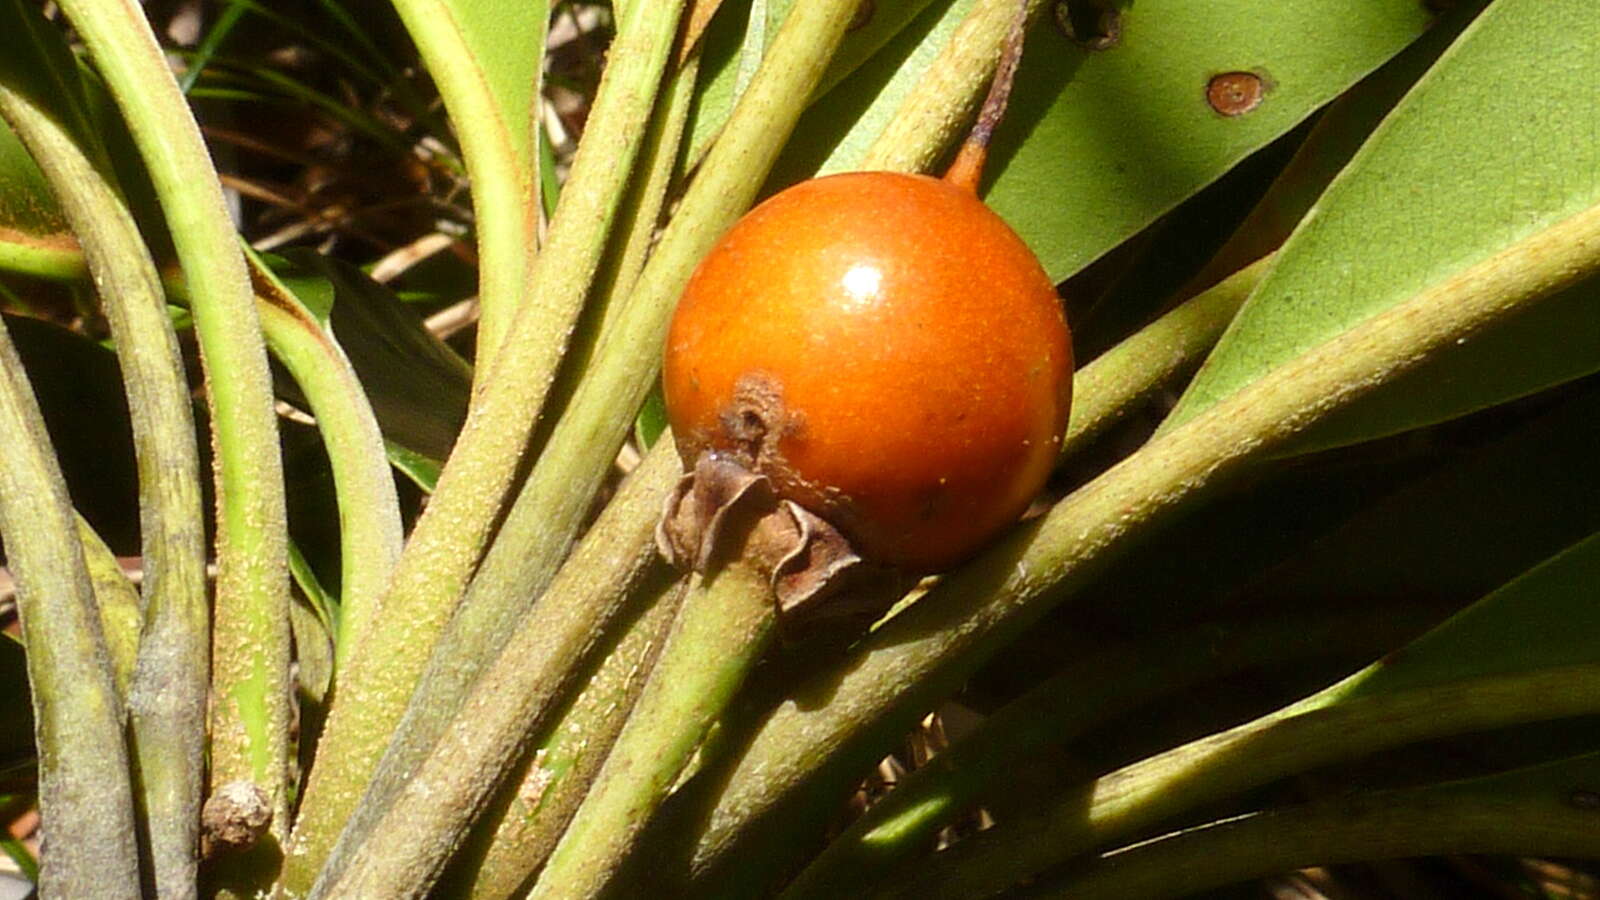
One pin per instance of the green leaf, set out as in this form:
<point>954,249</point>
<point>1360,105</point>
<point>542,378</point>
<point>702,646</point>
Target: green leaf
<point>1120,136</point>
<point>1464,167</point>
<point>486,59</point>
<point>1544,619</point>
<point>417,385</point>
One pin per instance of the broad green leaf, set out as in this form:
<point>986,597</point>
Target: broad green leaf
<point>1509,504</point>
<point>1098,144</point>
<point>1493,145</point>
<point>1338,133</point>
<point>1101,143</point>
<point>1546,618</point>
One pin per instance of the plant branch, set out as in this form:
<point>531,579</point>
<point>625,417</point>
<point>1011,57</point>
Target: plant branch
<point>720,632</point>
<point>1118,805</point>
<point>1085,695</point>
<point>553,503</point>
<point>85,799</point>
<point>170,676</point>
<point>552,780</point>
<point>808,750</point>
<point>450,537</point>
<point>250,715</point>
<point>370,531</point>
<point>1525,813</point>
<point>414,815</point>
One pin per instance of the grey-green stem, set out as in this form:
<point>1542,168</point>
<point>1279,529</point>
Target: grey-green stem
<point>166,693</point>
<point>720,632</point>
<point>450,537</point>
<point>251,709</point>
<point>85,800</point>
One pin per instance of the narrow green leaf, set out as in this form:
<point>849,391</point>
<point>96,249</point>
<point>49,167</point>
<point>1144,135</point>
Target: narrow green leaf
<point>487,60</point>
<point>417,385</point>
<point>1457,173</point>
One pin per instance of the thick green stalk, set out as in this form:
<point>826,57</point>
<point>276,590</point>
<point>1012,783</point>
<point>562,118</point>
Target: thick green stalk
<point>251,710</point>
<point>720,632</point>
<point>85,798</point>
<point>370,530</point>
<point>554,778</point>
<point>450,537</point>
<point>1090,691</point>
<point>807,749</point>
<point>1523,813</point>
<point>1301,738</point>
<point>939,109</point>
<point>167,695</point>
<point>1155,357</point>
<point>417,810</point>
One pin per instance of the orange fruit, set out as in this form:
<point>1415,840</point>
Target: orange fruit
<point>888,352</point>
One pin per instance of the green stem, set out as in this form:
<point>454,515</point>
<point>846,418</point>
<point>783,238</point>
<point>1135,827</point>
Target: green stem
<point>808,749</point>
<point>251,715</point>
<point>1156,357</point>
<point>1298,739</point>
<point>641,212</point>
<point>419,807</point>
<point>939,109</point>
<point>450,537</point>
<point>554,501</point>
<point>1085,695</point>
<point>553,779</point>
<point>1523,813</point>
<point>166,694</point>
<point>370,531</point>
<point>720,632</point>
<point>85,798</point>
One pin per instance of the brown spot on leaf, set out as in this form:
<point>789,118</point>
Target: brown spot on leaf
<point>1235,93</point>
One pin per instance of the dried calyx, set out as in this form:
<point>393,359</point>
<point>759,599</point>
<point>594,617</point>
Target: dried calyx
<point>722,511</point>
